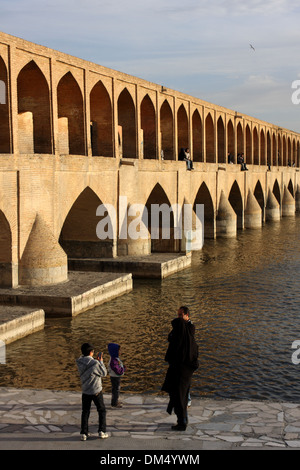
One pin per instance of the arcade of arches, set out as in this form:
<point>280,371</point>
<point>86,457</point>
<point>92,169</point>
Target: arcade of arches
<point>76,135</point>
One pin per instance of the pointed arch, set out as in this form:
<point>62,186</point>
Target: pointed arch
<point>289,151</point>
<point>269,156</point>
<point>182,128</point>
<point>248,157</point>
<point>284,151</point>
<point>294,153</point>
<point>70,116</point>
<point>279,153</point>
<point>5,146</point>
<point>197,137</point>
<point>276,192</point>
<point>33,110</point>
<point>78,236</point>
<point>167,133</point>
<point>236,201</point>
<point>291,188</point>
<point>221,141</point>
<point>6,268</point>
<point>160,223</point>
<point>148,125</point>
<point>127,125</point>
<point>262,147</point>
<point>259,194</point>
<point>230,140</point>
<point>204,197</point>
<point>255,147</point>
<point>239,138</point>
<point>210,139</point>
<point>101,121</point>
<point>274,155</point>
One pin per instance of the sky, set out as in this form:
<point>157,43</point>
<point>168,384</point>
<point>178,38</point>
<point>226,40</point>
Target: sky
<point>198,47</point>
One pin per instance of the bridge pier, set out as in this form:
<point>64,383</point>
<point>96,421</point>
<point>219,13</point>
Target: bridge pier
<point>272,208</point>
<point>43,261</point>
<point>288,203</point>
<point>253,212</point>
<point>226,220</point>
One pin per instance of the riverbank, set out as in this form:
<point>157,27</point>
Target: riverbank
<point>50,420</point>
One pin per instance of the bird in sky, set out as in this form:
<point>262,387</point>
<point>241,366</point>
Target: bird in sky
<point>251,47</point>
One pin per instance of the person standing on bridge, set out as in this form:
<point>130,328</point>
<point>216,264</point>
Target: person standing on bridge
<point>182,356</point>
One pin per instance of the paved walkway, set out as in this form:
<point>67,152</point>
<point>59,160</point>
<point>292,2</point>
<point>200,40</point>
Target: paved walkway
<point>44,419</point>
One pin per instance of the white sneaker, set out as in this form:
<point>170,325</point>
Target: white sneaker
<point>103,435</point>
<point>83,437</point>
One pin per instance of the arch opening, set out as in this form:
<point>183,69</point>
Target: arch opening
<point>78,235</point>
<point>34,121</point>
<point>101,121</point>
<point>70,116</point>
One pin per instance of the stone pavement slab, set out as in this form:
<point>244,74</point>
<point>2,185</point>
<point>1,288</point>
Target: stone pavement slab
<point>46,419</point>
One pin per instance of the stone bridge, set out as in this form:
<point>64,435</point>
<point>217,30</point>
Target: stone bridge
<point>75,135</point>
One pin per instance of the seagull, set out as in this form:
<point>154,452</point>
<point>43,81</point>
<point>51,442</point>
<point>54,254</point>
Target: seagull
<point>251,47</point>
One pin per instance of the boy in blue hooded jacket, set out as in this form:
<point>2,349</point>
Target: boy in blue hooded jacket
<point>116,369</point>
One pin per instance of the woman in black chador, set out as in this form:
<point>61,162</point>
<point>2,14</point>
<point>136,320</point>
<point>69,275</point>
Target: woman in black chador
<point>182,356</point>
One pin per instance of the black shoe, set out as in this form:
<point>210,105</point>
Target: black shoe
<point>179,427</point>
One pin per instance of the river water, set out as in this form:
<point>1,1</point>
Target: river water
<point>244,297</point>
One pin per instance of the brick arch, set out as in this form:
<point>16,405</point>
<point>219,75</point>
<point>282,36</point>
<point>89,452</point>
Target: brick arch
<point>263,144</point>
<point>276,191</point>
<point>127,125</point>
<point>236,201</point>
<point>70,116</point>
<point>5,146</point>
<point>78,236</point>
<point>182,128</point>
<point>294,157</point>
<point>203,196</point>
<point>197,136</point>
<point>284,151</point>
<point>210,139</point>
<point>290,187</point>
<point>6,274</point>
<point>260,196</point>
<point>289,151</point>
<point>33,110</point>
<point>240,138</point>
<point>268,143</point>
<point>101,121</point>
<point>279,152</point>
<point>148,125</point>
<point>230,139</point>
<point>156,197</point>
<point>255,146</point>
<point>167,131</point>
<point>273,160</point>
<point>248,137</point>
<point>222,157</point>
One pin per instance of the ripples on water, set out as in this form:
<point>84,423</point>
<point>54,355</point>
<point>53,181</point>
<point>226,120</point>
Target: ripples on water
<point>244,299</point>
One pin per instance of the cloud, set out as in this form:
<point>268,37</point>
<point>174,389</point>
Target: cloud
<point>198,47</point>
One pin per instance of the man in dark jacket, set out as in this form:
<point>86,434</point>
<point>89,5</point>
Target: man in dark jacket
<point>182,356</point>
